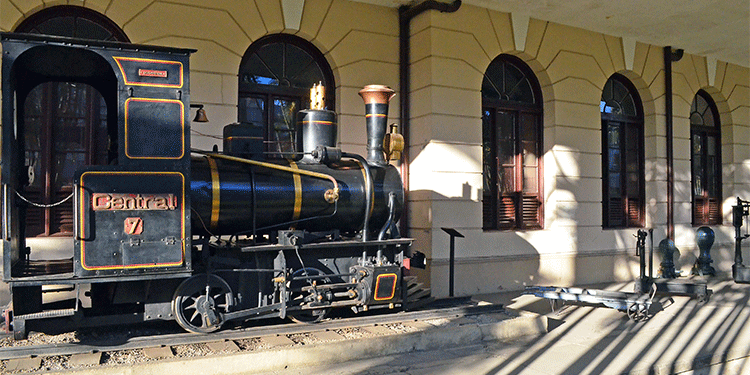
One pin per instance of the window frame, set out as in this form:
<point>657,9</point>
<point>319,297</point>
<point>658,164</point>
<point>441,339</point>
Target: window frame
<point>629,124</point>
<point>34,21</point>
<point>706,209</point>
<point>503,211</point>
<point>272,93</point>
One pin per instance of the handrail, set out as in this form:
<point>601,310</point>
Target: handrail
<point>6,213</point>
<point>330,195</point>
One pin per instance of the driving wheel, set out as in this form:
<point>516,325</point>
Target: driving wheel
<point>200,302</point>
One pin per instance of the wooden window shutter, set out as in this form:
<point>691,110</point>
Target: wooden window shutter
<point>62,215</point>
<point>634,212</point>
<point>714,211</point>
<point>706,211</point>
<point>531,211</point>
<point>615,212</point>
<point>506,212</point>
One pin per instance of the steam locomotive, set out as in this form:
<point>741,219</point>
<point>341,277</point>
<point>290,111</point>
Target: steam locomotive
<point>164,232</point>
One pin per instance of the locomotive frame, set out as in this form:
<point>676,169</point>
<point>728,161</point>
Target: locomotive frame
<point>150,228</point>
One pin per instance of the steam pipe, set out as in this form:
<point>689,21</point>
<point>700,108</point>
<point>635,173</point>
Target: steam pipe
<point>405,15</point>
<point>390,223</point>
<point>368,193</point>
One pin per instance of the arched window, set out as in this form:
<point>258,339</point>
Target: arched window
<point>622,154</point>
<point>65,123</point>
<point>705,143</point>
<point>276,74</point>
<point>511,146</point>
<point>74,22</point>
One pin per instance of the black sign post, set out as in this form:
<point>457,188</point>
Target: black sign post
<point>451,257</point>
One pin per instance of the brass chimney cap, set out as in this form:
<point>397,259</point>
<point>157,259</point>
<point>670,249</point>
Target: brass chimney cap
<point>377,94</point>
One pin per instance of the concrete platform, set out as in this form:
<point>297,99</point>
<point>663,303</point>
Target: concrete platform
<point>683,336</point>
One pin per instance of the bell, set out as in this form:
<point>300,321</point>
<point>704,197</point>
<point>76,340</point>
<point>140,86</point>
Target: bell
<point>200,115</point>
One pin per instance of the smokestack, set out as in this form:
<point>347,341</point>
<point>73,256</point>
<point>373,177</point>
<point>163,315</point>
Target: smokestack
<point>376,99</point>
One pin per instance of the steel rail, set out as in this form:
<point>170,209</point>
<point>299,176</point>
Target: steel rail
<point>177,339</point>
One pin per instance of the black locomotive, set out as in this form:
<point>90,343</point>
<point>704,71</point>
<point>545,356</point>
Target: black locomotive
<point>163,232</point>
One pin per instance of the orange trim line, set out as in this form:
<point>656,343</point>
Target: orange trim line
<point>84,204</point>
<point>318,122</point>
<point>136,83</point>
<point>377,283</point>
<point>182,126</point>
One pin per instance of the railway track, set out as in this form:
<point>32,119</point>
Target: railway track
<point>170,340</point>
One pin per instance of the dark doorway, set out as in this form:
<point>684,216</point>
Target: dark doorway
<point>65,124</point>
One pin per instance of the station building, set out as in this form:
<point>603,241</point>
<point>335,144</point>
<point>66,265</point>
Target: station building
<point>545,133</point>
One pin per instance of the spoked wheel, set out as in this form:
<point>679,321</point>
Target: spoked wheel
<point>637,312</point>
<point>200,301</point>
<point>296,298</point>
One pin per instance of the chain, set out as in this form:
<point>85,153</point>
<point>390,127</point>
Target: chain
<point>43,205</point>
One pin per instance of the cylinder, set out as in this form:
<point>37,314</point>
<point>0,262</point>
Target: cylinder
<point>315,128</point>
<point>229,197</point>
<point>376,99</point>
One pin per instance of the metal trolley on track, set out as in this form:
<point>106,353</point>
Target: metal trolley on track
<point>636,305</point>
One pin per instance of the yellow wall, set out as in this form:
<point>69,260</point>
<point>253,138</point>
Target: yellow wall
<point>572,66</point>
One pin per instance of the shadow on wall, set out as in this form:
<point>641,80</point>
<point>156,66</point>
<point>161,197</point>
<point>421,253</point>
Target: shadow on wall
<point>573,249</point>
<point>488,261</point>
<point>482,263</point>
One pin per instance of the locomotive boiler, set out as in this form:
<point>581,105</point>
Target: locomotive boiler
<point>165,232</point>
<point>325,189</point>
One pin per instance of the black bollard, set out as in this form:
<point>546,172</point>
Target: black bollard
<point>705,239</point>
<point>667,249</point>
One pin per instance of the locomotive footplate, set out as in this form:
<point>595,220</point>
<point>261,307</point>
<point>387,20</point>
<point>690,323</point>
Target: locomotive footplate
<point>327,245</point>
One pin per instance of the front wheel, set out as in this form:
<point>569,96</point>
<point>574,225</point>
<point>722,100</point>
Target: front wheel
<point>297,297</point>
<point>200,302</point>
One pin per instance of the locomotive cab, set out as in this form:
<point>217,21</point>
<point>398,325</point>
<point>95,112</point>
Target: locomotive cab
<point>93,184</point>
